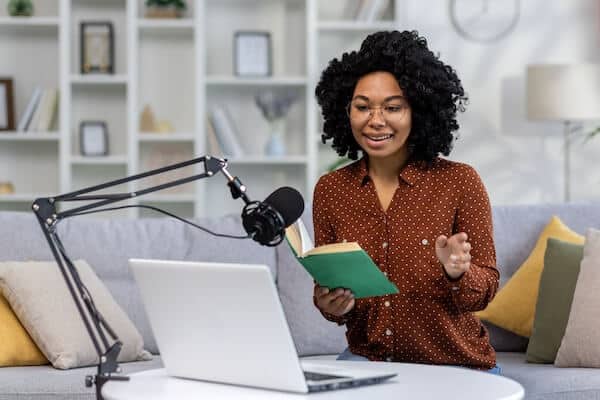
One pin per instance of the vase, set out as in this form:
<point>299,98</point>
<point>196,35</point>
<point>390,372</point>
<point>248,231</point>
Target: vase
<point>275,146</point>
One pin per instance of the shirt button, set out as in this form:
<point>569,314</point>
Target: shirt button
<point>385,273</point>
<point>389,359</point>
<point>388,332</point>
<point>424,242</point>
<point>454,288</point>
<point>386,303</point>
<point>345,241</point>
<point>384,245</point>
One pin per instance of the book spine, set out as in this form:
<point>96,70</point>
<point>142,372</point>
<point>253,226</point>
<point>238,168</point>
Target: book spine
<point>31,106</point>
<point>225,131</point>
<point>48,111</point>
<point>35,119</point>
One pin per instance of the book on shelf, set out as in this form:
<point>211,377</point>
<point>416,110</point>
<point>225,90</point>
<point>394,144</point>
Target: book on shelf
<point>30,109</point>
<point>45,111</point>
<point>225,131</point>
<point>214,149</point>
<point>371,10</point>
<point>336,265</point>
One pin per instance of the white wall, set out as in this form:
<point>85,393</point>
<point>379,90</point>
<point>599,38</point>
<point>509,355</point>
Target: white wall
<point>520,161</point>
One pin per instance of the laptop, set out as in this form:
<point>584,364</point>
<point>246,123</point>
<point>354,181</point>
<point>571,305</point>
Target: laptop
<point>224,323</point>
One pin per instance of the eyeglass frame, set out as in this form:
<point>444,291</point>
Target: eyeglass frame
<point>372,109</point>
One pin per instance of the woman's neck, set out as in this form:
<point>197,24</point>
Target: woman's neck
<point>386,169</point>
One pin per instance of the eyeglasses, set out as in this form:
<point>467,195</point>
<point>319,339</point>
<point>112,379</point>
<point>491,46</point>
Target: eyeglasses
<point>359,111</point>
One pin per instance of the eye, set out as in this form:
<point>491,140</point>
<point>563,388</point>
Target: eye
<point>393,108</point>
<point>361,107</point>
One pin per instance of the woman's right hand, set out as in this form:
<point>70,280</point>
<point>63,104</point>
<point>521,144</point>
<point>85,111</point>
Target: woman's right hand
<point>337,301</point>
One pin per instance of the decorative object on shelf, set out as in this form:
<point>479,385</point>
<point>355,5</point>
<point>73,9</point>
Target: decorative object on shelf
<point>165,8</point>
<point>164,126</point>
<point>97,47</point>
<point>484,21</point>
<point>274,107</point>
<point>93,138</point>
<point>7,105</point>
<point>7,188</point>
<point>20,8</point>
<point>371,10</point>
<point>147,120</point>
<point>226,131</point>
<point>546,100</point>
<point>252,53</point>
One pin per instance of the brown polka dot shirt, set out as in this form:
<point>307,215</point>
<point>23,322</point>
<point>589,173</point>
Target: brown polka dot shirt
<point>430,320</point>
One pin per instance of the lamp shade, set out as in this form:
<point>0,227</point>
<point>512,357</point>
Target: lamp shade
<point>563,92</point>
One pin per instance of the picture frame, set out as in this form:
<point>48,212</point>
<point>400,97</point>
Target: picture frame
<point>7,105</point>
<point>97,47</point>
<point>93,138</point>
<point>252,53</point>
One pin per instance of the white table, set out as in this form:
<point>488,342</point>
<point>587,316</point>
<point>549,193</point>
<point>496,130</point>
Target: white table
<point>414,381</point>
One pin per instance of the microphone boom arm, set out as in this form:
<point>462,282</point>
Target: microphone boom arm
<point>48,217</point>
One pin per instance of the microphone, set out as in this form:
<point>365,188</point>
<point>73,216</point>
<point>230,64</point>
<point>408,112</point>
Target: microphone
<point>266,221</point>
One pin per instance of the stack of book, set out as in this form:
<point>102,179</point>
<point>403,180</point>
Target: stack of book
<point>222,134</point>
<point>368,10</point>
<point>40,114</point>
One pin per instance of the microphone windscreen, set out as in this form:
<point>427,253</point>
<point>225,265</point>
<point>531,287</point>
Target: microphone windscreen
<point>288,202</point>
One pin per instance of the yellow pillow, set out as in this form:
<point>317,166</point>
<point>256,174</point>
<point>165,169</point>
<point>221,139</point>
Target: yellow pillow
<point>513,308</point>
<point>16,346</point>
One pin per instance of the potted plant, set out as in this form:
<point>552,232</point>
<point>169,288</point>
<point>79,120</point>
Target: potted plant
<point>20,8</point>
<point>165,8</point>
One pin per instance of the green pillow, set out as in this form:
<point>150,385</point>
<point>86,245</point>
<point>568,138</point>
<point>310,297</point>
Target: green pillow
<point>557,286</point>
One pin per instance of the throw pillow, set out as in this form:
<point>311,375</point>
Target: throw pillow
<point>16,346</point>
<point>513,307</point>
<point>40,298</point>
<point>557,285</point>
<point>580,345</point>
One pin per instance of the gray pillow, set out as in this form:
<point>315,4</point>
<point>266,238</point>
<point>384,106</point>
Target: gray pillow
<point>41,300</point>
<point>580,346</point>
<point>557,285</point>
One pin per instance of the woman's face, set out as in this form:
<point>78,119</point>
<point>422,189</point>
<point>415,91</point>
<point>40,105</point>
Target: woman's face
<point>380,116</point>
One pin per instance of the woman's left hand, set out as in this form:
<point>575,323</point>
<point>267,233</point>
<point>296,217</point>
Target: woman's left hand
<point>454,254</point>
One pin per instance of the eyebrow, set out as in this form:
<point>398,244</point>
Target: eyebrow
<point>395,97</point>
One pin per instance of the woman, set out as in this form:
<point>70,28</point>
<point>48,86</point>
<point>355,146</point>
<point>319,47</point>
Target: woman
<point>424,220</point>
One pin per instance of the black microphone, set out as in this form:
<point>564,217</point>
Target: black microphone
<point>266,221</point>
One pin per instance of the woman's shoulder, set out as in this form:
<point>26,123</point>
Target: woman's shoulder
<point>445,166</point>
<point>340,176</point>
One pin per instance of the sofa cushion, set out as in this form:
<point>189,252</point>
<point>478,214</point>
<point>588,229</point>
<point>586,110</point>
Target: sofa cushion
<point>47,383</point>
<point>40,298</point>
<point>513,308</point>
<point>557,285</point>
<point>580,345</point>
<point>16,347</point>
<point>107,244</point>
<point>546,382</point>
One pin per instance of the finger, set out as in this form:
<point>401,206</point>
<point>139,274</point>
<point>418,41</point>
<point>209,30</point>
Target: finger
<point>441,241</point>
<point>321,291</point>
<point>462,237</point>
<point>338,302</point>
<point>344,306</point>
<point>467,247</point>
<point>349,306</point>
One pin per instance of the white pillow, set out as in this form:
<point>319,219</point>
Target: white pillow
<point>41,300</point>
<point>580,346</point>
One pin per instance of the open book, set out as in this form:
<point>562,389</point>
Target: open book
<point>344,265</point>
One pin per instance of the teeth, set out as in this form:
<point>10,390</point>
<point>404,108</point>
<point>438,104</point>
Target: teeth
<point>379,138</point>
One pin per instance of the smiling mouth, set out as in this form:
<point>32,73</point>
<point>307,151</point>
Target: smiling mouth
<point>379,138</point>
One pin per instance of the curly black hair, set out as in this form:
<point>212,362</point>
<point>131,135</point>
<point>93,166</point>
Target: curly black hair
<point>432,89</point>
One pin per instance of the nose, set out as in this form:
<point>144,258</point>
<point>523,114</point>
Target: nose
<point>376,117</point>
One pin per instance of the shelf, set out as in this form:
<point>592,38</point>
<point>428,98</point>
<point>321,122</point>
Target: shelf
<point>265,160</point>
<point>158,25</point>
<point>48,22</point>
<point>99,160</point>
<point>29,136</point>
<point>355,26</point>
<point>267,81</point>
<point>21,197</point>
<point>154,137</point>
<point>98,79</point>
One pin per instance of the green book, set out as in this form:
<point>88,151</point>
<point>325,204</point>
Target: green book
<point>336,265</point>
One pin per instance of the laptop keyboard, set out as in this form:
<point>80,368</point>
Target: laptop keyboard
<point>315,376</point>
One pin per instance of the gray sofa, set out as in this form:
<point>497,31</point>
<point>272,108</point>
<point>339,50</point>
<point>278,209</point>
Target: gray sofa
<point>107,244</point>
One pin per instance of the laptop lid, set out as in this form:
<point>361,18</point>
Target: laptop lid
<point>219,322</point>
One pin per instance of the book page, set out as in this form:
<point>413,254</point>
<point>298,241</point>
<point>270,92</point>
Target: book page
<point>307,243</point>
<point>334,248</point>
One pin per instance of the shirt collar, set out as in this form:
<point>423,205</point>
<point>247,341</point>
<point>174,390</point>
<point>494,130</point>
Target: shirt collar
<point>410,174</point>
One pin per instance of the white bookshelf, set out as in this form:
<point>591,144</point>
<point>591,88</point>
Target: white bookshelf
<point>180,68</point>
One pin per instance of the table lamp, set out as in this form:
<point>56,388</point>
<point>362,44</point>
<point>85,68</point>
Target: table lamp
<point>566,93</point>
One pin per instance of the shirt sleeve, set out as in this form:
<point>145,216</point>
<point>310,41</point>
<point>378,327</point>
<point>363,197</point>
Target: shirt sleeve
<point>324,234</point>
<point>476,287</point>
